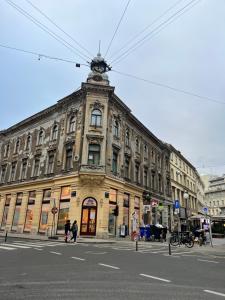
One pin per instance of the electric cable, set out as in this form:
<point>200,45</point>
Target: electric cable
<point>143,30</point>
<point>117,27</point>
<point>148,36</point>
<point>169,87</point>
<point>46,29</point>
<point>41,55</point>
<point>62,30</point>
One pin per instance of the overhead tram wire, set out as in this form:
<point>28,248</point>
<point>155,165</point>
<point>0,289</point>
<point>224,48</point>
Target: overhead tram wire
<point>156,32</point>
<point>147,27</point>
<point>148,36</point>
<point>169,87</point>
<point>47,30</point>
<point>62,30</point>
<point>110,43</point>
<point>41,55</point>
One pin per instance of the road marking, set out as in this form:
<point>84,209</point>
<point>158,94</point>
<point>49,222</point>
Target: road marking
<point>210,261</point>
<point>27,244</point>
<point>153,277</point>
<point>126,249</point>
<point>57,253</point>
<point>78,258</point>
<point>18,246</point>
<point>180,253</point>
<point>6,248</point>
<point>90,252</point>
<point>38,249</point>
<point>215,293</point>
<point>109,266</point>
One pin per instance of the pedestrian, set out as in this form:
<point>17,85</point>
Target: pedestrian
<point>67,230</point>
<point>74,230</point>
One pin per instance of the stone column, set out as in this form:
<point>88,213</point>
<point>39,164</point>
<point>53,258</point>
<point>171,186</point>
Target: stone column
<point>23,212</point>
<point>11,211</point>
<point>119,220</point>
<point>37,211</point>
<point>2,205</point>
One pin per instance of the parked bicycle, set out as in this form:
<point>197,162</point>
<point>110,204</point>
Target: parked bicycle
<point>185,238</point>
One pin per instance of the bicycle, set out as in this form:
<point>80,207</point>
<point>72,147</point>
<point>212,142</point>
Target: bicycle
<point>184,238</point>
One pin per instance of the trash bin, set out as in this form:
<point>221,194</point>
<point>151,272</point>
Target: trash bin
<point>147,233</point>
<point>142,232</point>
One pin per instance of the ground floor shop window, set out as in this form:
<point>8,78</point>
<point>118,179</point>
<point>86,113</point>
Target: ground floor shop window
<point>16,215</point>
<point>126,211</point>
<point>30,211</point>
<point>44,217</point>
<point>112,206</point>
<point>63,216</point>
<point>4,218</point>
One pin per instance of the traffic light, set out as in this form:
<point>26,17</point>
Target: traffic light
<point>146,195</point>
<point>116,211</point>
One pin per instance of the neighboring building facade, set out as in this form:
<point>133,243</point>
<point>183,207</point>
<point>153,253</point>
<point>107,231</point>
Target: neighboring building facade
<point>215,196</point>
<point>183,181</point>
<point>89,157</point>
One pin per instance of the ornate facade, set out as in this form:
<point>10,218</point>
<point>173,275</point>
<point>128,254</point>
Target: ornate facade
<point>89,157</point>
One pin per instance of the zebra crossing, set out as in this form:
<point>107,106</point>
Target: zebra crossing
<point>147,248</point>
<point>37,245</point>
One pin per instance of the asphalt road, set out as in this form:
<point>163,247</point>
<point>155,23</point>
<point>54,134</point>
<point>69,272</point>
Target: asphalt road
<point>45,270</point>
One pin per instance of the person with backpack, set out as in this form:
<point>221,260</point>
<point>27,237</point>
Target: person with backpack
<point>74,230</point>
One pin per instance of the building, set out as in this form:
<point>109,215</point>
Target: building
<point>184,179</point>
<point>86,158</point>
<point>215,196</point>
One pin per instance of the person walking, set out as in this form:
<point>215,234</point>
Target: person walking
<point>74,230</point>
<point>67,230</point>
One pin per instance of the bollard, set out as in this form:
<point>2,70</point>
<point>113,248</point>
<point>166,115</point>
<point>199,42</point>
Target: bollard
<point>169,249</point>
<point>136,245</point>
<point>6,233</point>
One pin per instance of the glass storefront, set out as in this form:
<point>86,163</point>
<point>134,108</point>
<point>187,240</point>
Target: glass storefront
<point>5,212</point>
<point>63,208</point>
<point>126,205</point>
<point>45,209</point>
<point>88,217</point>
<point>112,206</point>
<point>16,215</point>
<point>30,211</point>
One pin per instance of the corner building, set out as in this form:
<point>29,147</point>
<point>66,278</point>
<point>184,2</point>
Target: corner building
<point>86,155</point>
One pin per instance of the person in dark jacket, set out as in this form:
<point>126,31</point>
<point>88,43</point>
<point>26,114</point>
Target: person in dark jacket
<point>67,230</point>
<point>74,230</point>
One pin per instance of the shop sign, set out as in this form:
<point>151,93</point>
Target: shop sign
<point>89,202</point>
<point>146,208</point>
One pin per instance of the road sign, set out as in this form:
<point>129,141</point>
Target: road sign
<point>160,207</point>
<point>205,210</point>
<point>154,203</point>
<point>54,210</point>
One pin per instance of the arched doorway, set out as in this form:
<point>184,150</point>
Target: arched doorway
<point>88,217</point>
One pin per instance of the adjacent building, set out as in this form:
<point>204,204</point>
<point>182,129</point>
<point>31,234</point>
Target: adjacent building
<point>88,158</point>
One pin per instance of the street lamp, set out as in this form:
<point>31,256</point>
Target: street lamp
<point>186,197</point>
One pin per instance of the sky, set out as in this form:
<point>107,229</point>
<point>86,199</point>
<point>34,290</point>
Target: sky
<point>187,54</point>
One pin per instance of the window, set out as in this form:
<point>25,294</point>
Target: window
<point>153,181</point>
<point>153,156</point>
<point>69,159</point>
<point>16,215</point>
<point>94,154</point>
<point>112,206</point>
<point>145,150</point>
<point>72,124</point>
<point>146,177</point>
<point>13,171</point>
<point>172,174</point>
<point>24,169</point>
<point>126,205</point>
<point>63,208</point>
<point>45,208</point>
<point>116,128</point>
<point>6,150</point>
<point>28,143</point>
<point>50,167</point>
<point>6,210</point>
<point>127,137</point>
<point>160,182</point>
<point>41,137</point>
<point>17,146</point>
<point>55,132</point>
<point>30,211</point>
<point>36,167</point>
<point>137,173</point>
<point>137,144</point>
<point>126,167</point>
<point>3,173</point>
<point>114,162</point>
<point>96,118</point>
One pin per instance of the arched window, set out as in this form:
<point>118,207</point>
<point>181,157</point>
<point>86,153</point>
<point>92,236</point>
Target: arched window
<point>94,154</point>
<point>127,137</point>
<point>96,118</point>
<point>41,137</point>
<point>116,128</point>
<point>55,132</point>
<point>72,124</point>
<point>6,151</point>
<point>17,146</point>
<point>28,144</point>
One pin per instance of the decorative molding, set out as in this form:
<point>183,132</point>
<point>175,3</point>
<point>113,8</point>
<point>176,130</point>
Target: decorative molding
<point>95,139</point>
<point>97,105</point>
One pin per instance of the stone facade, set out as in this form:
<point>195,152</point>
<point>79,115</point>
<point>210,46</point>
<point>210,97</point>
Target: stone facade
<point>87,155</point>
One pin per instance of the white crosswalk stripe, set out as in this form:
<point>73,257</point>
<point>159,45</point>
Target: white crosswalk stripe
<point>37,245</point>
